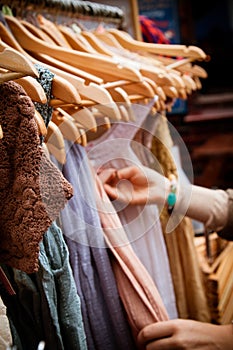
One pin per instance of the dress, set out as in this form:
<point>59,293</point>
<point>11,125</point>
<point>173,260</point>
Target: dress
<point>104,317</point>
<point>141,223</point>
<point>142,302</point>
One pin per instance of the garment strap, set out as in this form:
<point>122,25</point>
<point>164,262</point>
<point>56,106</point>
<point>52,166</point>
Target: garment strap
<point>6,283</point>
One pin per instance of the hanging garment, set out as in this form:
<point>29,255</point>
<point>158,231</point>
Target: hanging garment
<point>151,32</point>
<point>138,292</point>
<point>188,284</point>
<point>104,317</point>
<point>141,223</point>
<point>5,334</point>
<point>32,189</point>
<point>46,305</point>
<point>45,79</point>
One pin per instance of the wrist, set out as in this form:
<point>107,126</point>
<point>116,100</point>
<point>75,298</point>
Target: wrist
<point>224,336</point>
<point>160,193</point>
<point>172,195</point>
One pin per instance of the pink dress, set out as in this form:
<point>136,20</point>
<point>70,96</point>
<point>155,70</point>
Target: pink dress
<point>139,295</point>
<point>141,223</point>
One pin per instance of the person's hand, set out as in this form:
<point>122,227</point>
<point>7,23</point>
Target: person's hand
<point>135,185</point>
<point>186,334</point>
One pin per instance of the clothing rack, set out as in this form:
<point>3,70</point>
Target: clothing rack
<point>75,8</point>
<point>128,277</point>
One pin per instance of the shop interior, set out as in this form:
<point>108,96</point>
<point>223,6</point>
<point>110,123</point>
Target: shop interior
<point>85,86</point>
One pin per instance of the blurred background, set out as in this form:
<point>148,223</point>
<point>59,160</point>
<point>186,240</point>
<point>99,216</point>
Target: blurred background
<point>205,121</point>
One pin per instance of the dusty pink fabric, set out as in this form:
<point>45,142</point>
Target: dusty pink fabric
<point>32,189</point>
<point>137,290</point>
<point>141,223</point>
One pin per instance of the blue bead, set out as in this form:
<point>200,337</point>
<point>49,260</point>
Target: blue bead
<point>171,199</point>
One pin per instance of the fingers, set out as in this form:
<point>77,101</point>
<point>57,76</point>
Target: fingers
<point>111,191</point>
<point>162,344</point>
<point>107,175</point>
<point>155,331</point>
<point>127,173</point>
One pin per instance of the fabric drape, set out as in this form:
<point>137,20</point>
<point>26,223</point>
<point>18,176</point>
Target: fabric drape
<point>103,313</point>
<point>187,280</point>
<point>46,305</point>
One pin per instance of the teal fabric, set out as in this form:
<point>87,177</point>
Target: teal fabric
<point>46,305</point>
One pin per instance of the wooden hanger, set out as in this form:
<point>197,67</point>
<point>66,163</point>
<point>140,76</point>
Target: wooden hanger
<point>160,49</point>
<point>198,82</point>
<point>52,31</point>
<point>39,33</point>
<point>55,142</point>
<point>48,60</point>
<point>75,41</point>
<point>65,90</point>
<point>42,130</point>
<point>80,117</point>
<point>170,91</point>
<point>6,75</point>
<point>109,39</point>
<point>96,43</point>
<point>78,59</point>
<point>158,61</point>
<point>124,113</point>
<point>189,82</point>
<point>83,134</point>
<point>176,77</point>
<point>93,91</point>
<point>123,102</point>
<point>182,94</point>
<point>156,74</point>
<point>184,67</point>
<point>16,62</point>
<point>140,88</point>
<point>103,122</point>
<point>45,148</point>
<point>80,129</point>
<point>33,89</point>
<point>61,88</point>
<point>66,124</point>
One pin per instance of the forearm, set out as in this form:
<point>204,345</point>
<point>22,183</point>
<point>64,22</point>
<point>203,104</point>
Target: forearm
<point>203,204</point>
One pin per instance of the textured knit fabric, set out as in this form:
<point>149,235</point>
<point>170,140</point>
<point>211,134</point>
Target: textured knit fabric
<point>138,292</point>
<point>188,284</point>
<point>104,317</point>
<point>46,305</point>
<point>32,189</point>
<point>227,231</point>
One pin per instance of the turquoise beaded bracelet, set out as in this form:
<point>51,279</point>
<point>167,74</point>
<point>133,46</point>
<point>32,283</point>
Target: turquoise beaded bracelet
<point>171,198</point>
